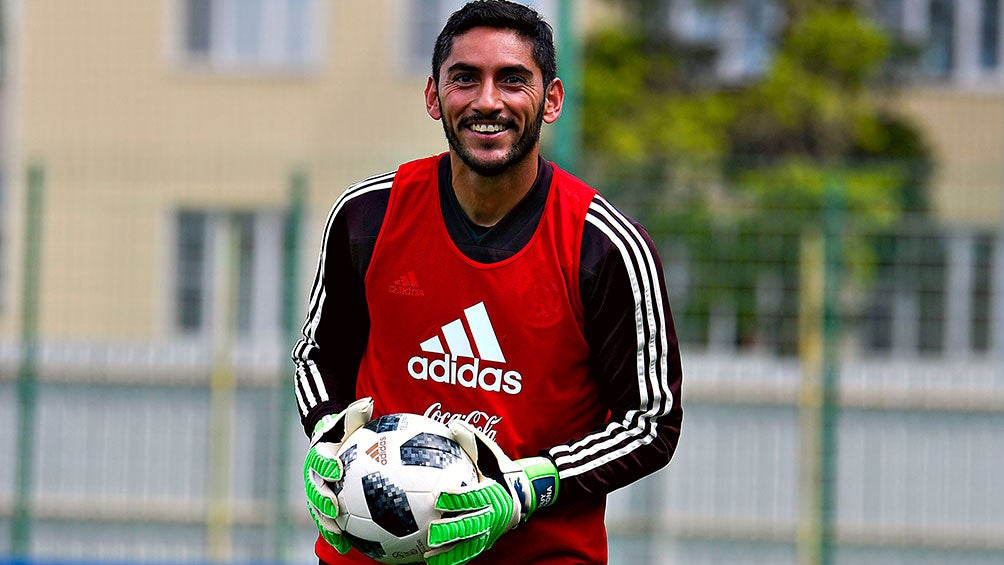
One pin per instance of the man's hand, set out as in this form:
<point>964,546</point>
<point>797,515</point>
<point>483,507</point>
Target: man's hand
<point>322,467</point>
<point>507,494</point>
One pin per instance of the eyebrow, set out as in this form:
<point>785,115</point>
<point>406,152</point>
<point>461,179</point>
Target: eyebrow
<point>461,66</point>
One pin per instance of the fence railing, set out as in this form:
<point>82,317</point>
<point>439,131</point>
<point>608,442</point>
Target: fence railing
<point>178,441</point>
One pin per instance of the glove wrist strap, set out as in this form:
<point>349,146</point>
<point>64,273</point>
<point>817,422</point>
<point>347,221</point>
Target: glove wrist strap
<point>543,487</point>
<point>325,425</point>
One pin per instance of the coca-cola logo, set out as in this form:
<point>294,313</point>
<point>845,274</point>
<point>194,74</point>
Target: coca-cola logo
<point>481,420</point>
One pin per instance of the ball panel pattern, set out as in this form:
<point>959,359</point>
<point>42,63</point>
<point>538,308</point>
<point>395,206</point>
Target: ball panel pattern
<point>348,455</point>
<point>394,468</point>
<point>430,450</point>
<point>388,505</point>
<point>346,458</point>
<point>383,424</point>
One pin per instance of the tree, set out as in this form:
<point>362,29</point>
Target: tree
<point>740,172</point>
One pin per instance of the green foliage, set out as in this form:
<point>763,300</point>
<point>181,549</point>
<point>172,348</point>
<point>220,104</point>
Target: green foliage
<point>798,187</point>
<point>633,112</point>
<point>740,172</point>
<point>837,43</point>
<point>812,99</point>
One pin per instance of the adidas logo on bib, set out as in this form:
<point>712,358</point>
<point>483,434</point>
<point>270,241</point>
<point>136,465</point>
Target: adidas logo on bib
<point>457,363</point>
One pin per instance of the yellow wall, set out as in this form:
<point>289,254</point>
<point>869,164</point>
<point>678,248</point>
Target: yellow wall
<point>965,130</point>
<point>128,134</point>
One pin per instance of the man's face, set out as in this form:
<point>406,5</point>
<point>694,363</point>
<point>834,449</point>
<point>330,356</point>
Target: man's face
<point>492,100</point>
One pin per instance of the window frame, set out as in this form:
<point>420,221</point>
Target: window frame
<point>274,52</point>
<point>256,237</point>
<point>415,54</point>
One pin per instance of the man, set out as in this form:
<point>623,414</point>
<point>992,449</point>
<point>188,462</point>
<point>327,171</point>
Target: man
<point>489,289</point>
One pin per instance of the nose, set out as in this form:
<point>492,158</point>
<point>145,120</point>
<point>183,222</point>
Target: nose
<point>489,98</point>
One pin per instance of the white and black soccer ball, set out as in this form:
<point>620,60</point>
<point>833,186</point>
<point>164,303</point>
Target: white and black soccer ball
<point>393,469</point>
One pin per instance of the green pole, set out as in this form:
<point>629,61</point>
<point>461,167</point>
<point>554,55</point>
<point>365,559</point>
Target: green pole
<point>822,272</point>
<point>810,319</point>
<point>27,387</point>
<point>222,394</point>
<point>567,143</point>
<point>833,227</point>
<point>290,288</point>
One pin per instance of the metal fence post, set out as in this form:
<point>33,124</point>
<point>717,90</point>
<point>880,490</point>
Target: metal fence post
<point>821,273</point>
<point>566,144</point>
<point>833,233</point>
<point>810,319</point>
<point>286,408</point>
<point>27,388</point>
<point>222,392</point>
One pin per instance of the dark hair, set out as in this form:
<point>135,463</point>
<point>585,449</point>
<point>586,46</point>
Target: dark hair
<point>499,14</point>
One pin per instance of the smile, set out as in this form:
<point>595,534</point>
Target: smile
<point>487,128</point>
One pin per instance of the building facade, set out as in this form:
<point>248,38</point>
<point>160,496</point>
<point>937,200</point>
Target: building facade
<point>171,135</point>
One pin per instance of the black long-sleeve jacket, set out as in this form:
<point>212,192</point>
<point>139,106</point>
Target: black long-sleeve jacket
<point>628,326</point>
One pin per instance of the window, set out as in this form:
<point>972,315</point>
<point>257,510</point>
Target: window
<point>231,256</point>
<point>939,57</point>
<point>934,293</point>
<point>423,19</point>
<point>198,21</point>
<point>990,35</point>
<point>705,22</point>
<point>243,225</point>
<point>761,18</point>
<point>427,18</point>
<point>959,40</point>
<point>252,34</point>
<point>891,15</point>
<point>191,270</point>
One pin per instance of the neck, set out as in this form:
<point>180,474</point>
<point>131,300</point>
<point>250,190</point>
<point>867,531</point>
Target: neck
<point>486,200</point>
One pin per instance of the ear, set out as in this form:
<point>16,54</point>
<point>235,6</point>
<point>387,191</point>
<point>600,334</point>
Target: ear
<point>554,96</point>
<point>432,100</point>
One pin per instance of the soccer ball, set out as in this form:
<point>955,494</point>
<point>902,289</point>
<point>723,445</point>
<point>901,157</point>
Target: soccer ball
<point>393,469</point>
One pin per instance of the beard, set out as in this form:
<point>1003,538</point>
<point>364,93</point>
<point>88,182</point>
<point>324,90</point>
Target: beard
<point>490,168</point>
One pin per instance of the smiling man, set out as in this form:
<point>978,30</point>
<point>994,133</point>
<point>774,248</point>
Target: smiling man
<point>490,98</point>
<point>489,289</point>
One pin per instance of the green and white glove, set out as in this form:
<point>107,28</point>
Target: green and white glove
<point>322,467</point>
<point>507,494</point>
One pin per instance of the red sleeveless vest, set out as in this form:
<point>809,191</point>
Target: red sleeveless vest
<point>500,344</point>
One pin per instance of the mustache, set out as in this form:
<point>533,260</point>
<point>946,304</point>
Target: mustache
<point>479,117</point>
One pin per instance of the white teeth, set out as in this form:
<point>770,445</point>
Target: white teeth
<point>487,128</point>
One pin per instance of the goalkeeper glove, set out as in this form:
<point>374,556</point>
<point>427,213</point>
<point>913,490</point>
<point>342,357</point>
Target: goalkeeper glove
<point>322,467</point>
<point>508,493</point>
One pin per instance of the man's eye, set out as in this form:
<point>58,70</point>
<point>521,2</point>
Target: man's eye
<point>463,79</point>
<point>515,79</point>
